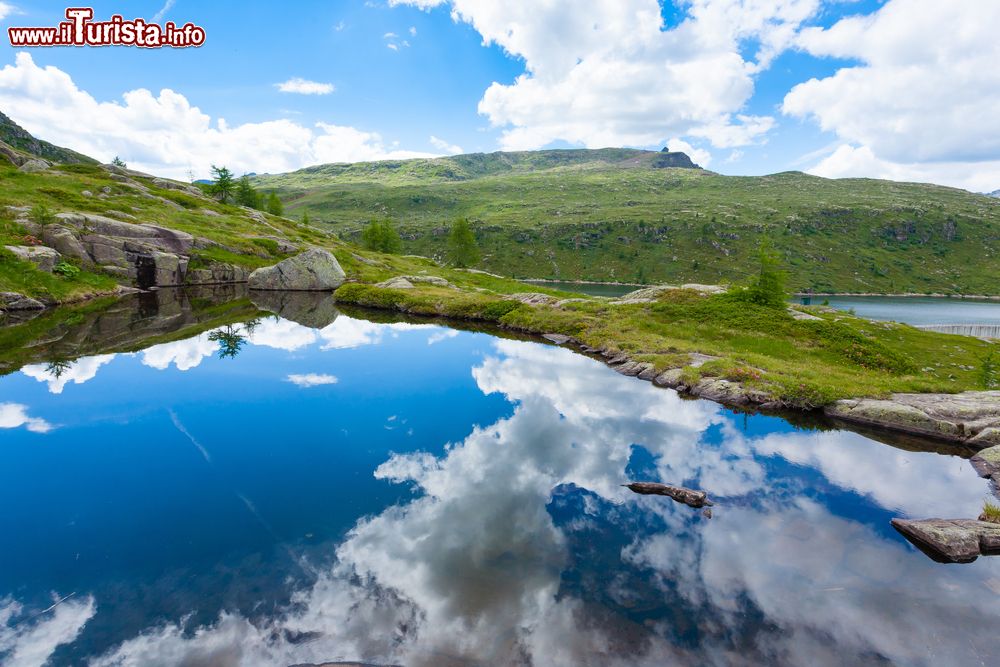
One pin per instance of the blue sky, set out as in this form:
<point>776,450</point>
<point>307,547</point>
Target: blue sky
<point>717,78</point>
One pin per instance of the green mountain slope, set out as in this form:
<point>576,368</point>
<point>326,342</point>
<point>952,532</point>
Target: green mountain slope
<point>17,137</point>
<point>617,214</point>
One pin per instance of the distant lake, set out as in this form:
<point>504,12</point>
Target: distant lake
<point>918,311</point>
<point>249,488</point>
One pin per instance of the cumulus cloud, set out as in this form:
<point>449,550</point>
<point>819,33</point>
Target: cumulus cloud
<point>78,372</point>
<point>920,104</point>
<point>305,87</point>
<point>307,380</point>
<point>15,415</point>
<point>445,147</point>
<point>611,73</point>
<point>167,135</point>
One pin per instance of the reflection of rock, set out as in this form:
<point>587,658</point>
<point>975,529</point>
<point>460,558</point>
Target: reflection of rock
<point>314,270</point>
<point>971,416</point>
<point>310,309</point>
<point>165,314</point>
<point>689,497</point>
<point>951,540</point>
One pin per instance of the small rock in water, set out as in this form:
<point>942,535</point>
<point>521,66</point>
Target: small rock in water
<point>689,497</point>
<point>558,339</point>
<point>951,540</point>
<point>707,512</point>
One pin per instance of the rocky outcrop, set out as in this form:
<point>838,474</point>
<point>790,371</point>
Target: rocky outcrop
<point>15,301</point>
<point>314,270</point>
<point>532,298</point>
<point>951,540</point>
<point>41,256</point>
<point>971,417</point>
<point>987,464</point>
<point>33,166</point>
<point>651,294</point>
<point>216,273</point>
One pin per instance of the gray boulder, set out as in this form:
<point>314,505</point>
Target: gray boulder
<point>43,257</point>
<point>315,270</point>
<point>951,540</point>
<point>32,166</point>
<point>65,242</point>
<point>217,272</point>
<point>971,416</point>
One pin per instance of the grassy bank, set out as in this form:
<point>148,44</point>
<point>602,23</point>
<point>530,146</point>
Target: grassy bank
<point>802,363</point>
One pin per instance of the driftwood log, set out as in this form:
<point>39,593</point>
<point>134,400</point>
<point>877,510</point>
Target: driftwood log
<point>689,497</point>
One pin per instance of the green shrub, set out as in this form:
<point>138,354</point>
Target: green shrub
<point>66,270</point>
<point>989,371</point>
<point>380,236</point>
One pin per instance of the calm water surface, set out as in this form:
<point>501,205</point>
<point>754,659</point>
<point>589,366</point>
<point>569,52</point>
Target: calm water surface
<point>278,492</point>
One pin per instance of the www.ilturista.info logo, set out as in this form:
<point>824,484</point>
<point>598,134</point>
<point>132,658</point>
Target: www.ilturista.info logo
<point>81,30</point>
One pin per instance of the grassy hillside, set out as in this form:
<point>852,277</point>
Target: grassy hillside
<point>614,214</point>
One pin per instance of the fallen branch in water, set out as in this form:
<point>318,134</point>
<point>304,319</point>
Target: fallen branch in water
<point>690,497</point>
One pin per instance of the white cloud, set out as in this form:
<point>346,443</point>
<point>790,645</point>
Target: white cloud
<point>166,135</point>
<point>78,372</point>
<point>700,156</point>
<point>305,87</point>
<point>921,101</point>
<point>445,147</point>
<point>860,161</point>
<point>6,10</point>
<point>311,379</point>
<point>14,415</point>
<point>413,31</point>
<point>167,6</point>
<point>607,73</point>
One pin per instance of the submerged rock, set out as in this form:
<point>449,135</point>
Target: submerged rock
<point>972,416</point>
<point>951,540</point>
<point>689,497</point>
<point>315,270</point>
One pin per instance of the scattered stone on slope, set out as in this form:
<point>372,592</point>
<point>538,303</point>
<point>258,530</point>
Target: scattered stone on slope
<point>801,315</point>
<point>532,298</point>
<point>315,269</point>
<point>399,282</point>
<point>951,540</point>
<point>971,416</point>
<point>43,257</point>
<point>689,497</point>
<point>176,185</point>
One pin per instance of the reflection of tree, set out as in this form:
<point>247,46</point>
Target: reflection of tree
<point>58,367</point>
<point>232,337</point>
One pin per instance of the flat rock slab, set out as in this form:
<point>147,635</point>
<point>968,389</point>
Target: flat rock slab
<point>15,301</point>
<point>972,416</point>
<point>315,270</point>
<point>558,339</point>
<point>689,497</point>
<point>951,540</point>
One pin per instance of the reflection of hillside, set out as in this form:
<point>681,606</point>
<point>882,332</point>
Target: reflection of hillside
<point>124,325</point>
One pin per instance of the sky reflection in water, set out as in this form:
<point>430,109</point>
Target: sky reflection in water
<point>410,494</point>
